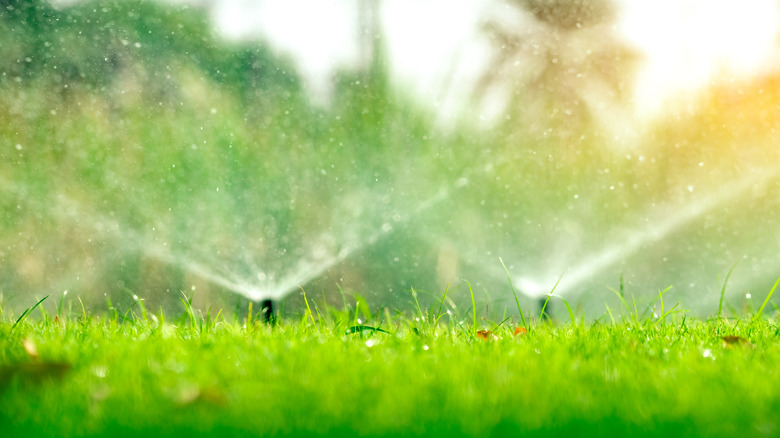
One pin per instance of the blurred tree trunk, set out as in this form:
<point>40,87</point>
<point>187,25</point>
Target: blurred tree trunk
<point>557,65</point>
<point>369,32</point>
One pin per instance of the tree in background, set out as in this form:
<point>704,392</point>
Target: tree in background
<point>558,67</point>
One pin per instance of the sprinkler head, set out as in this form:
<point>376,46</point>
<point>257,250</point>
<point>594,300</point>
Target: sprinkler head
<point>267,311</point>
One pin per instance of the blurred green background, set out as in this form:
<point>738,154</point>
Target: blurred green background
<point>141,154</point>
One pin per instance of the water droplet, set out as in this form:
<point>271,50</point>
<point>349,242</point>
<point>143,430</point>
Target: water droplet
<point>425,347</point>
<point>708,354</point>
<point>100,371</point>
<point>386,228</point>
<point>18,147</point>
<point>690,189</point>
<point>748,296</point>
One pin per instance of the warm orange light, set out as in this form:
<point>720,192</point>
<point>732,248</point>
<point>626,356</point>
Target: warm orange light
<point>688,44</point>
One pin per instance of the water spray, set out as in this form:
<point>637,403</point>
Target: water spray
<point>305,270</point>
<point>596,262</point>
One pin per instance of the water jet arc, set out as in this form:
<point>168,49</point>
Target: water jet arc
<point>595,262</point>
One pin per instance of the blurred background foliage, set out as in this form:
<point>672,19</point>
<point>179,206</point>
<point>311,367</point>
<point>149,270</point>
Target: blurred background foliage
<point>142,155</point>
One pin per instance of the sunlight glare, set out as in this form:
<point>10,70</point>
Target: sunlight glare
<point>687,44</point>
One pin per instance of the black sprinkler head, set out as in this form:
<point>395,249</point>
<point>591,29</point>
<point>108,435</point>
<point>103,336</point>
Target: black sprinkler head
<point>267,311</point>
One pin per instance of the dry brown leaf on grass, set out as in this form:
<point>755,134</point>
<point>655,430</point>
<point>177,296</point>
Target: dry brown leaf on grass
<point>521,331</point>
<point>34,372</point>
<point>30,349</point>
<point>187,394</point>
<point>486,335</point>
<point>736,341</point>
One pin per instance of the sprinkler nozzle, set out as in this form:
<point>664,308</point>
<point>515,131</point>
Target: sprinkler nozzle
<point>267,311</point>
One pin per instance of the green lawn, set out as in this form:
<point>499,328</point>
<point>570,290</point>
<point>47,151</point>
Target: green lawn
<point>201,375</point>
<point>181,160</point>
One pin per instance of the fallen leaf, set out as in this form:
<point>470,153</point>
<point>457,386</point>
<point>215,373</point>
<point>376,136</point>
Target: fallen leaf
<point>29,348</point>
<point>736,341</point>
<point>521,331</point>
<point>212,396</point>
<point>187,394</point>
<point>486,335</point>
<point>34,372</point>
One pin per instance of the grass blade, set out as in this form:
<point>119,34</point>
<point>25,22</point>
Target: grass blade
<point>571,313</point>
<point>28,311</point>
<point>621,296</point>
<point>417,306</point>
<point>723,291</point>
<point>59,306</point>
<point>188,309</point>
<point>519,309</point>
<point>501,323</point>
<point>308,308</point>
<point>441,305</point>
<point>83,310</point>
<point>473,310</point>
<point>649,310</point>
<point>665,314</point>
<point>544,306</point>
<point>636,311</point>
<point>609,311</point>
<point>768,297</point>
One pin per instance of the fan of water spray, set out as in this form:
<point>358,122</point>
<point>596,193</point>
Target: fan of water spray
<point>568,277</point>
<point>256,282</point>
